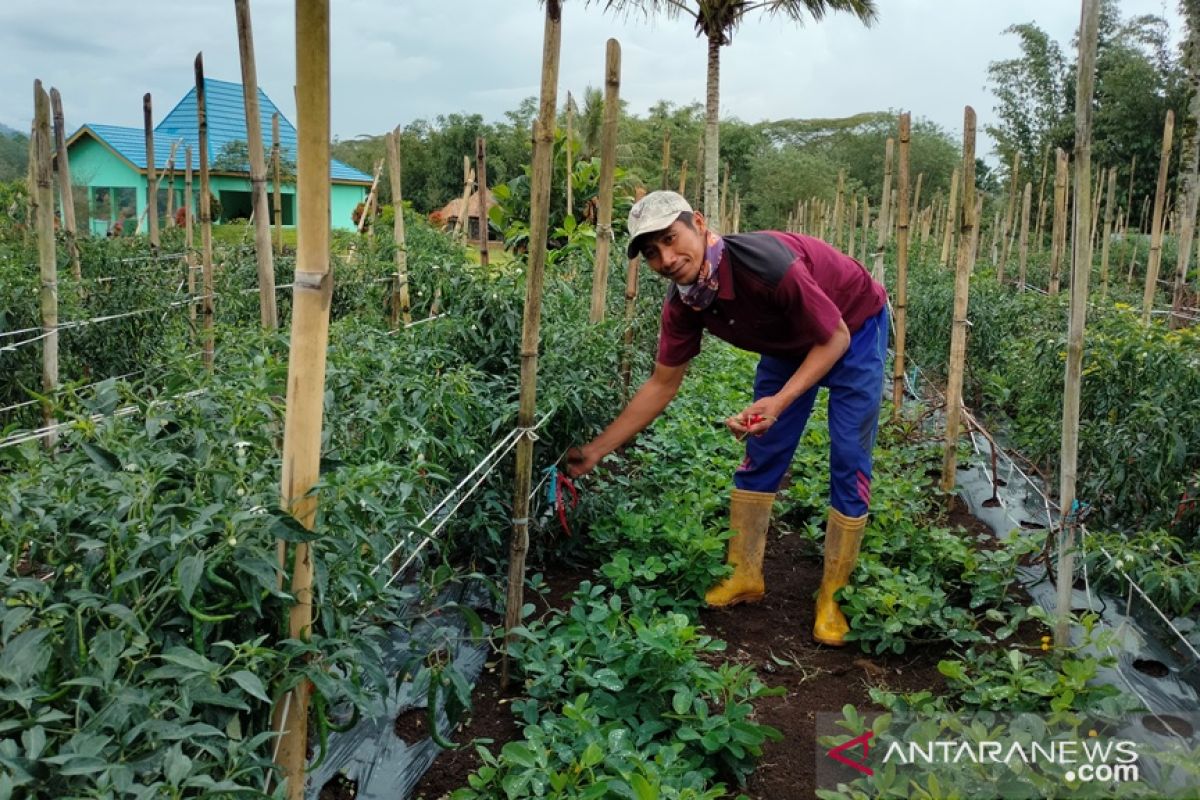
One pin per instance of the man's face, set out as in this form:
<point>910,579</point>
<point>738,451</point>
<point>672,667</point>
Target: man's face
<point>677,252</point>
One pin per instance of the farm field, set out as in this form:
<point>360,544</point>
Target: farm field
<point>295,509</point>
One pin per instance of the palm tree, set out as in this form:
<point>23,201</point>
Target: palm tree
<point>716,20</point>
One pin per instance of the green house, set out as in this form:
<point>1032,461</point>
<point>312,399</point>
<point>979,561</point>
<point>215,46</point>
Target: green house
<point>109,163</point>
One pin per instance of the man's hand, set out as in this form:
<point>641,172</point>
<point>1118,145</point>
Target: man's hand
<point>756,419</point>
<point>580,461</point>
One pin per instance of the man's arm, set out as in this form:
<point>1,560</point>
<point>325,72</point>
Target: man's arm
<point>649,401</point>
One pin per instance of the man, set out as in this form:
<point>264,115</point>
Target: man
<point>816,318</point>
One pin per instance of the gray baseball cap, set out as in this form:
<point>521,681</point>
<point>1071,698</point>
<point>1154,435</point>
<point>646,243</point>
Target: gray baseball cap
<point>654,212</point>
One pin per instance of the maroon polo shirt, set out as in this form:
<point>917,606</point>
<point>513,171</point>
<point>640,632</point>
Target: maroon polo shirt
<point>779,294</point>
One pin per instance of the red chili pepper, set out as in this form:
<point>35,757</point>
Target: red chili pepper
<point>565,483</point>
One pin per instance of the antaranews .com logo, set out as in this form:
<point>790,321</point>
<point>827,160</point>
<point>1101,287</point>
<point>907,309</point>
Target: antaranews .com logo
<point>1009,756</point>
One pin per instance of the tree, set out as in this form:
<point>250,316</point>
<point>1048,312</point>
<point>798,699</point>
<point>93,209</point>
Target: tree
<point>716,20</point>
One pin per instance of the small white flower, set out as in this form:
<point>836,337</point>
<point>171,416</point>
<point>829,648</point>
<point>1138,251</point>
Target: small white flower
<point>231,541</point>
<point>241,492</point>
<point>132,467</point>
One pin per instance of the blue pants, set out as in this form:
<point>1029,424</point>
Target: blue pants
<point>855,386</point>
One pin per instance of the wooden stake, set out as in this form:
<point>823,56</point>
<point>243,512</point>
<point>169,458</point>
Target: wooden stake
<point>481,173</point>
<point>171,184</point>
<point>206,302</point>
<point>852,219</point>
<point>997,235</point>
<point>188,240</point>
<point>962,281</point>
<point>364,219</point>
<point>1108,230</point>
<point>884,232</point>
<point>460,227</point>
<point>1023,265</point>
<point>666,159</point>
<point>838,204</point>
<point>539,225</point>
<point>401,312</point>
<point>1129,198</point>
<point>276,168</point>
<point>151,179</point>
<point>1041,209</point>
<point>683,178</point>
<point>306,358</point>
<point>65,190</point>
<point>900,305</point>
<point>608,159</point>
<point>1080,274</point>
<point>1009,217</point>
<point>264,258</point>
<point>1156,224</point>
<point>631,292</point>
<point>1058,235</point>
<point>1190,167</point>
<point>866,227</point>
<point>951,220</point>
<point>42,203</point>
<point>570,167</point>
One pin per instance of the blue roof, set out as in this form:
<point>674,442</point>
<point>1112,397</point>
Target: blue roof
<point>226,123</point>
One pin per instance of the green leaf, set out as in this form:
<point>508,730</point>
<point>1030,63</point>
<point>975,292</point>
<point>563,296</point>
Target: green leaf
<point>177,765</point>
<point>682,701</point>
<point>642,788</point>
<point>609,679</point>
<point>25,656</point>
<point>34,741</point>
<point>102,458</point>
<point>189,659</point>
<point>593,754</point>
<point>250,684</point>
<point>519,754</point>
<point>191,569</point>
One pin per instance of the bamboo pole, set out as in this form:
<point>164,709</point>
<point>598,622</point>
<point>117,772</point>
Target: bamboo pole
<point>1041,209</point>
<point>306,358</point>
<point>206,302</point>
<point>631,292</point>
<point>65,190</point>
<point>608,159</point>
<point>1108,230</point>
<point>539,223</point>
<point>570,167</point>
<point>481,173</point>
<point>838,209</point>
<point>915,207</point>
<point>1023,263</point>
<point>1080,275</point>
<point>683,169</point>
<point>1156,223</point>
<point>277,188</point>
<point>264,257</point>
<point>401,311</point>
<point>1058,235</point>
<point>171,184</point>
<point>460,226</point>
<point>666,159</point>
<point>884,231</point>
<point>900,305</point>
<point>1190,167</point>
<point>1129,196</point>
<point>978,232</point>
<point>852,220</point>
<point>962,281</point>
<point>866,227</point>
<point>364,218</point>
<point>151,178</point>
<point>42,203</point>
<point>1097,193</point>
<point>997,236</point>
<point>188,240</point>
<point>951,219</point>
<point>1009,217</point>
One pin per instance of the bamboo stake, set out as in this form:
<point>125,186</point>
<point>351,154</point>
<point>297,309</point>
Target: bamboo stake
<point>539,223</point>
<point>1156,224</point>
<point>1009,217</point>
<point>1023,265</point>
<point>1108,231</point>
<point>631,292</point>
<point>267,315</point>
<point>171,184</point>
<point>884,232</point>
<point>900,305</point>
<point>852,219</point>
<point>683,178</point>
<point>151,179</point>
<point>206,302</point>
<point>363,219</point>
<point>962,281</point>
<point>42,203</point>
<point>1097,193</point>
<point>997,235</point>
<point>951,218</point>
<point>978,231</point>
<point>570,173</point>
<point>401,312</point>
<point>1058,235</point>
<point>1080,274</point>
<point>1190,166</point>
<point>608,159</point>
<point>1041,209</point>
<point>915,206</point>
<point>188,241</point>
<point>866,227</point>
<point>277,187</point>
<point>838,209</point>
<point>1129,197</point>
<point>666,159</point>
<point>306,358</point>
<point>65,190</point>
<point>481,173</point>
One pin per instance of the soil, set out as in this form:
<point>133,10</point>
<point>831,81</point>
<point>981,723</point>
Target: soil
<point>774,637</point>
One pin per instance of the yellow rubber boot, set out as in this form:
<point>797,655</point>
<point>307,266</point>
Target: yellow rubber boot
<point>749,515</point>
<point>843,535</point>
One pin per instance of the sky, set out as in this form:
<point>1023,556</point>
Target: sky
<point>395,61</point>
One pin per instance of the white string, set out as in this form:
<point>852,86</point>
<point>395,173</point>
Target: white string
<point>287,707</point>
<point>124,411</point>
<point>12,348</point>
